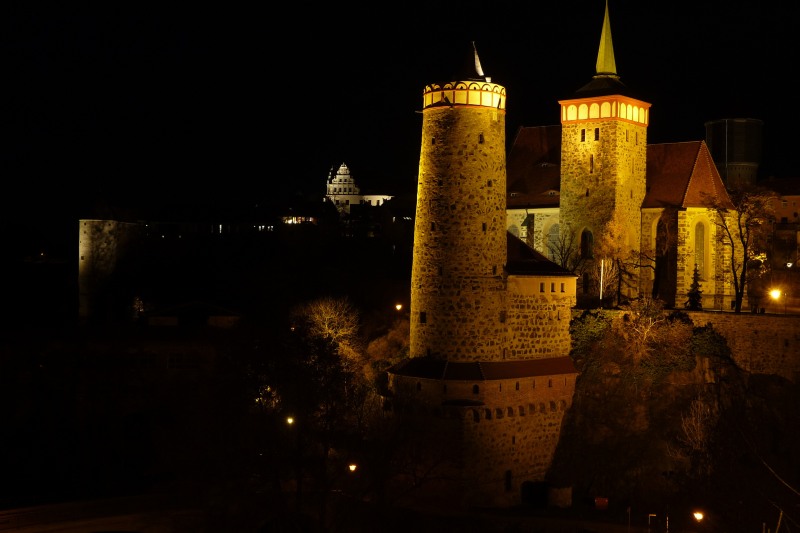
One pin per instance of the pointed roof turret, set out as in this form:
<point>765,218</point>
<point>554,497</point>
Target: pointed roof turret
<point>606,65</point>
<point>606,80</point>
<point>472,69</point>
<point>468,86</point>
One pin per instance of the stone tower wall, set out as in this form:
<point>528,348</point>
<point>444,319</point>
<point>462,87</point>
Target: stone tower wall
<point>538,316</point>
<point>604,178</point>
<point>616,183</point>
<point>460,228</point>
<point>102,244</point>
<point>507,438</point>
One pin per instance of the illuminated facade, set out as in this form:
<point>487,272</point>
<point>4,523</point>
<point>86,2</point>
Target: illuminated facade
<point>489,377</point>
<point>342,191</point>
<point>594,184</point>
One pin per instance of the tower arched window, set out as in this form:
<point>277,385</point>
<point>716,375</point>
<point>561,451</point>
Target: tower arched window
<point>587,243</point>
<point>700,248</point>
<point>552,241</point>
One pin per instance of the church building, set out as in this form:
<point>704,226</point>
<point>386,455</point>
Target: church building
<point>489,378</point>
<point>631,218</point>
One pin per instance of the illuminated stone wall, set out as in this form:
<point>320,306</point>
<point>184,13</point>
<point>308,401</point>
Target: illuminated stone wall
<point>538,312</point>
<point>711,255</point>
<point>603,178</point>
<point>716,278</point>
<point>102,244</point>
<point>460,229</point>
<point>761,344</point>
<point>483,438</point>
<point>495,447</point>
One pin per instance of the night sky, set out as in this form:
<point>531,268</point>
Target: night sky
<point>133,103</point>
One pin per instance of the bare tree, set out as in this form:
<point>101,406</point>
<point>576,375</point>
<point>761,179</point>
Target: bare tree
<point>613,259</point>
<point>642,319</point>
<point>565,250</point>
<point>698,427</point>
<point>743,218</point>
<point>334,319</point>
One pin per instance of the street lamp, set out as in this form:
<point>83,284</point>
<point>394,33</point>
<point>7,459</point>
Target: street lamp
<point>776,295</point>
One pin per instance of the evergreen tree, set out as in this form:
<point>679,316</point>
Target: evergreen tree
<point>695,294</point>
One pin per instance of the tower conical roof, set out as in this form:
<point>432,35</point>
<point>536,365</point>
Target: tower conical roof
<point>606,80</point>
<point>471,68</point>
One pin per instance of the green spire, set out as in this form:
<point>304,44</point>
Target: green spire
<point>606,65</point>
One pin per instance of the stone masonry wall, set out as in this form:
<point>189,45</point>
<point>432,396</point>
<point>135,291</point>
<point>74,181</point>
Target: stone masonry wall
<point>508,437</point>
<point>761,344</point>
<point>538,316</point>
<point>460,235</point>
<point>101,245</point>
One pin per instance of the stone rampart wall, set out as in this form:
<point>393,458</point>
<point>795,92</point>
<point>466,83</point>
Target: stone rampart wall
<point>761,344</point>
<point>508,437</point>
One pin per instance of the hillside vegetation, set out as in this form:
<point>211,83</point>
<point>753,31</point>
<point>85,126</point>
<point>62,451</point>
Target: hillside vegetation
<point>664,419</point>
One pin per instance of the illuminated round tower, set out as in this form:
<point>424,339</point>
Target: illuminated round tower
<point>460,235</point>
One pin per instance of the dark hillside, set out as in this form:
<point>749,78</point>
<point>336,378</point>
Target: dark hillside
<point>676,427</point>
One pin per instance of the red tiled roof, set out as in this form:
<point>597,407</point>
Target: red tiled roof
<point>678,174</point>
<point>682,175</point>
<point>429,368</point>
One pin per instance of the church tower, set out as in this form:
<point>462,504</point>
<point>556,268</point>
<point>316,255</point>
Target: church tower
<point>460,231</point>
<point>603,165</point>
<point>488,379</point>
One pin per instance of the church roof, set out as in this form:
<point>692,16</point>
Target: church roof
<point>533,167</point>
<point>678,174</point>
<point>682,175</point>
<point>430,368</point>
<point>606,81</point>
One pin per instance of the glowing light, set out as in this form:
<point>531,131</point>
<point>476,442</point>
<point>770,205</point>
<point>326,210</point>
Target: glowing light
<point>775,294</point>
<point>352,467</point>
<point>289,420</point>
<point>398,306</point>
<point>698,515</point>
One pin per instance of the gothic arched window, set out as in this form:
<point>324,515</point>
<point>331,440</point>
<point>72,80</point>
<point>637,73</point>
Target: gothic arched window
<point>700,248</point>
<point>552,242</point>
<point>587,242</point>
